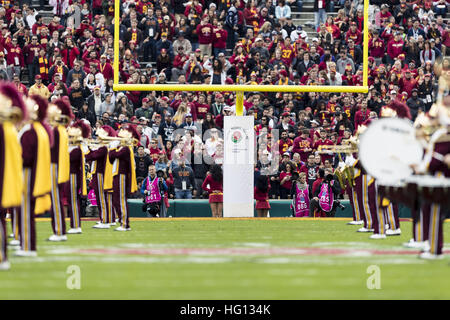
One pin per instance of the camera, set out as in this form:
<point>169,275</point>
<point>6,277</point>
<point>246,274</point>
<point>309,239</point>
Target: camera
<point>160,173</point>
<point>340,205</point>
<point>152,208</point>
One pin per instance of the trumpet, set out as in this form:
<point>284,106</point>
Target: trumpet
<point>123,141</point>
<point>13,115</point>
<point>346,148</point>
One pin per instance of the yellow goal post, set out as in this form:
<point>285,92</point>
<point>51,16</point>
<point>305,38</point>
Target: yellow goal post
<point>240,89</point>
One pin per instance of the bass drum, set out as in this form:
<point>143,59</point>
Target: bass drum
<point>388,148</point>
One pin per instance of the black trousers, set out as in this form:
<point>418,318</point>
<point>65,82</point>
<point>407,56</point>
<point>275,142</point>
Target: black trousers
<point>314,204</point>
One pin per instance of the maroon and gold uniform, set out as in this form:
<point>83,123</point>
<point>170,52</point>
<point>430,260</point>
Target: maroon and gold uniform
<point>60,168</point>
<point>124,177</point>
<point>76,186</point>
<point>36,139</point>
<point>10,166</point>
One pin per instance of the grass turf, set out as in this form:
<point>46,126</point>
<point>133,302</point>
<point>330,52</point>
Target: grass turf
<point>134,274</point>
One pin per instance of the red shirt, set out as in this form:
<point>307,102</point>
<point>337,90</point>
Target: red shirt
<point>300,145</point>
<point>220,38</point>
<point>321,142</point>
<point>204,33</point>
<point>213,185</point>
<point>288,183</point>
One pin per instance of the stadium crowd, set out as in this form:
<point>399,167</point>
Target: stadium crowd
<point>226,42</point>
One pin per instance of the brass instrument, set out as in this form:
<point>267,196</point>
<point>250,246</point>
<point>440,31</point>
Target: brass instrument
<point>347,173</point>
<point>124,142</point>
<point>13,115</point>
<point>55,117</point>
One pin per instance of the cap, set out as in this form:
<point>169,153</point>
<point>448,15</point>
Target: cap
<point>97,88</point>
<point>353,23</point>
<point>285,114</point>
<point>283,73</point>
<point>198,50</point>
<point>299,28</point>
<point>102,56</point>
<point>287,154</point>
<point>149,65</point>
<point>258,39</point>
<point>142,118</point>
<point>165,98</point>
<point>38,77</point>
<point>221,54</point>
<point>219,95</point>
<point>181,33</point>
<point>164,34</point>
<point>393,92</point>
<point>157,115</point>
<point>315,39</point>
<point>189,115</point>
<point>145,100</point>
<point>415,90</point>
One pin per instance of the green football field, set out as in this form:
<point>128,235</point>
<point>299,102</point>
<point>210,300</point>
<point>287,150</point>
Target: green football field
<point>276,258</point>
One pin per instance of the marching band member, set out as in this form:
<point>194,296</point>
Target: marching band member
<point>76,186</point>
<point>435,203</point>
<point>361,189</point>
<point>60,114</point>
<point>101,170</point>
<point>124,174</point>
<point>11,168</point>
<point>351,192</point>
<point>36,139</point>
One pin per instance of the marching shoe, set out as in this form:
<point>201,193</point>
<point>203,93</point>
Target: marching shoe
<point>11,235</point>
<point>355,223</point>
<point>122,229</point>
<point>364,230</point>
<point>74,231</point>
<point>14,243</point>
<point>4,266</point>
<point>23,253</point>
<point>426,246</point>
<point>430,256</point>
<point>57,238</point>
<point>395,232</point>
<point>414,244</point>
<point>112,224</point>
<point>101,226</point>
<point>378,236</point>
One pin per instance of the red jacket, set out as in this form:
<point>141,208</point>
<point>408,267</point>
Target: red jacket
<point>106,70</point>
<point>69,56</point>
<point>395,48</point>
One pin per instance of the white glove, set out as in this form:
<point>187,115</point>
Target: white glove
<point>341,165</point>
<point>84,149</point>
<point>114,144</point>
<point>349,160</point>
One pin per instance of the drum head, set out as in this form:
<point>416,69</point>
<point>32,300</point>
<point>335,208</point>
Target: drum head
<point>388,148</point>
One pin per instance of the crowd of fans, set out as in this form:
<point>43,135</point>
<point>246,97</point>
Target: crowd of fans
<point>227,42</point>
